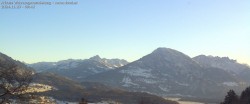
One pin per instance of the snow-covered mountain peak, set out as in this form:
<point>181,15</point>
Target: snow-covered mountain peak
<point>225,63</point>
<point>168,53</point>
<point>165,58</point>
<point>96,57</point>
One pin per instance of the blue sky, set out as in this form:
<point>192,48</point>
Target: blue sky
<point>127,29</point>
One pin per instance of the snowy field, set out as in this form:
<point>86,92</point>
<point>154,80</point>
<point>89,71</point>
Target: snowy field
<point>183,102</point>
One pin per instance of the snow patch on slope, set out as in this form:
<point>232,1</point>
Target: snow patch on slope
<point>128,82</point>
<point>164,88</point>
<point>182,84</point>
<point>147,80</point>
<point>231,84</point>
<point>139,72</point>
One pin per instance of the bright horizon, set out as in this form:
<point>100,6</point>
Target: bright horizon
<point>120,58</point>
<point>127,29</point>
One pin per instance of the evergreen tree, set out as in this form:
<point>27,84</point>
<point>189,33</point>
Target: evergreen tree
<point>231,98</point>
<point>245,96</point>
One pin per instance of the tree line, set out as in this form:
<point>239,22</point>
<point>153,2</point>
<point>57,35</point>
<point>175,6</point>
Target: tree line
<point>233,98</point>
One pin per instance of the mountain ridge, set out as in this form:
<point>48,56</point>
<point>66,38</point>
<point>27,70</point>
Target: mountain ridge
<point>78,69</point>
<point>167,72</point>
<point>164,72</point>
<point>66,89</point>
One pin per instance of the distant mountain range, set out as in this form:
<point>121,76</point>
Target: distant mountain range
<point>229,65</point>
<point>240,71</point>
<point>164,72</point>
<point>65,89</point>
<point>167,72</point>
<point>79,69</point>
